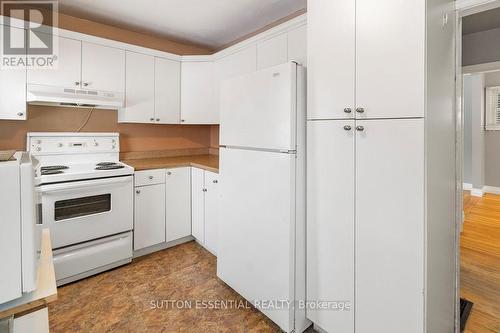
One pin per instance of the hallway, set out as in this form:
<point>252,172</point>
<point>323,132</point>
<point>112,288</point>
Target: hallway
<point>480,262</point>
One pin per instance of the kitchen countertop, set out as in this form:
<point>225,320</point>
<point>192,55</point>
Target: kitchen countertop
<point>46,291</point>
<point>206,162</point>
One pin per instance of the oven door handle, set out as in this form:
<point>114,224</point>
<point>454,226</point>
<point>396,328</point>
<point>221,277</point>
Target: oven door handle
<point>62,187</point>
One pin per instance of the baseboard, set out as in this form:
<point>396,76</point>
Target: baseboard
<point>161,246</point>
<point>491,189</point>
<point>467,186</point>
<point>475,192</point>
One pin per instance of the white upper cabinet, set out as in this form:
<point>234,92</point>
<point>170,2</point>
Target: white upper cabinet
<point>331,58</point>
<point>13,91</point>
<point>140,89</point>
<point>390,57</point>
<point>167,94</point>
<point>68,72</point>
<point>199,93</point>
<point>297,45</point>
<point>273,51</point>
<point>238,63</point>
<point>103,68</point>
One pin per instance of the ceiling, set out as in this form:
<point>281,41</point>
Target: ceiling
<point>211,23</point>
<point>483,21</point>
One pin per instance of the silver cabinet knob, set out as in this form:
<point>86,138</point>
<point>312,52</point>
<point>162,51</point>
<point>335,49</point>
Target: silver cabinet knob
<point>157,119</point>
<point>77,83</point>
<point>347,110</point>
<point>20,114</point>
<point>85,84</point>
<point>347,127</point>
<point>360,128</point>
<point>150,177</point>
<point>360,110</point>
<point>169,173</point>
<point>60,145</point>
<point>182,120</point>
<point>204,190</point>
<point>215,181</point>
<point>152,119</point>
<point>138,191</point>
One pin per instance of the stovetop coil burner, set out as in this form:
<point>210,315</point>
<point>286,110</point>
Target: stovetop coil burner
<point>48,172</point>
<point>106,164</point>
<point>109,166</point>
<point>54,167</point>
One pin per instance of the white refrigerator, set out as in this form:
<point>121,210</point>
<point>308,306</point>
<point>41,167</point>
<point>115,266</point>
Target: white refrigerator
<point>261,237</point>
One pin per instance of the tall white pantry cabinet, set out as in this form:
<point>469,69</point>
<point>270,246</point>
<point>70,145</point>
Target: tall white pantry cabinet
<point>381,165</point>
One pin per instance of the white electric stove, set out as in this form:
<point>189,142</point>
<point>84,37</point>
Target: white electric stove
<point>85,199</point>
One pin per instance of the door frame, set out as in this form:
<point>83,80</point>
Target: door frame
<point>463,8</point>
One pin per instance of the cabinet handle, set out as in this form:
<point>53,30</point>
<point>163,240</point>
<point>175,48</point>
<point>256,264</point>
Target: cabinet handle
<point>347,127</point>
<point>347,110</point>
<point>157,119</point>
<point>182,120</point>
<point>138,191</point>
<point>168,173</point>
<point>85,84</point>
<point>360,110</point>
<point>150,177</point>
<point>20,114</point>
<point>215,181</point>
<point>204,190</point>
<point>360,128</point>
<point>77,83</point>
<point>152,119</point>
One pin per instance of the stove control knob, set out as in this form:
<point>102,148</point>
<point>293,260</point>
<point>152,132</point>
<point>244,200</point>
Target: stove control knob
<point>38,148</point>
<point>114,147</point>
<point>113,141</point>
<point>38,142</point>
<point>96,144</point>
<point>60,145</point>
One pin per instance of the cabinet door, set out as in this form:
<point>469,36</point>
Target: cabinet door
<point>238,63</point>
<point>13,88</point>
<point>198,204</point>
<point>178,203</point>
<point>390,226</point>
<point>140,90</point>
<point>68,72</point>
<point>167,91</point>
<point>272,52</point>
<point>297,45</point>
<point>103,68</point>
<point>198,93</point>
<point>212,199</point>
<point>330,221</point>
<point>390,58</point>
<point>149,216</point>
<point>331,58</point>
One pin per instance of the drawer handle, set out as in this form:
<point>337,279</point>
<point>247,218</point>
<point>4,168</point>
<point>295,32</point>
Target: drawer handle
<point>138,191</point>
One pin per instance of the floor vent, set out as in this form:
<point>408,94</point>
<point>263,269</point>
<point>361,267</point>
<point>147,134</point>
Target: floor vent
<point>465,309</point>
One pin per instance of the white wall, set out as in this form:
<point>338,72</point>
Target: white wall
<point>492,142</point>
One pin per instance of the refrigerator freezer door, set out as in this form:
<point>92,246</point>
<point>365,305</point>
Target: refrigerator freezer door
<point>258,110</point>
<point>257,229</point>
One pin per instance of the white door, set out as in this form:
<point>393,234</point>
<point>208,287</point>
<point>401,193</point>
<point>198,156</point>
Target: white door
<point>178,203</point>
<point>198,93</point>
<point>390,226</point>
<point>212,201</point>
<point>103,68</point>
<point>390,58</point>
<point>167,91</point>
<point>149,216</point>
<point>13,88</point>
<point>258,110</point>
<point>272,52</point>
<point>331,58</point>
<point>256,229</point>
<point>297,45</point>
<point>140,90</point>
<point>198,204</point>
<point>330,222</point>
<point>68,72</point>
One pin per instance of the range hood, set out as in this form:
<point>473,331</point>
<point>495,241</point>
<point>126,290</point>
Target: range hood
<point>70,97</point>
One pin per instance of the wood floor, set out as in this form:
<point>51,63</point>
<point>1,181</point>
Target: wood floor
<point>480,262</point>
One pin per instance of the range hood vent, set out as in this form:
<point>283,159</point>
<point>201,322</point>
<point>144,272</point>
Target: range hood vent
<point>68,97</point>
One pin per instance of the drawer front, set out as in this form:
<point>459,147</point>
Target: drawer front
<point>149,177</point>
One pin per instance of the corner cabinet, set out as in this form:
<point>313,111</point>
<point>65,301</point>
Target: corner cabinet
<point>199,93</point>
<point>205,202</point>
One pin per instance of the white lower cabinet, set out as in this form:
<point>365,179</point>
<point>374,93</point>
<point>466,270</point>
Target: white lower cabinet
<point>178,203</point>
<point>205,200</point>
<point>34,322</point>
<point>149,215</point>
<point>363,247</point>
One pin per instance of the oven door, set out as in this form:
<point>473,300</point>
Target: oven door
<point>81,211</point>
